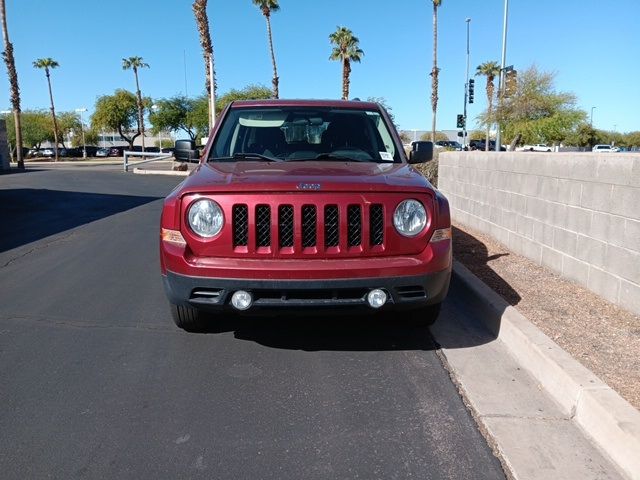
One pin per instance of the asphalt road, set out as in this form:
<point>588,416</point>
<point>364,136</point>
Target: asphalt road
<point>96,382</point>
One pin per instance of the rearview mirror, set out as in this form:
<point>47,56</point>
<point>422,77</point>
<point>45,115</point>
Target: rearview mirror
<point>421,152</point>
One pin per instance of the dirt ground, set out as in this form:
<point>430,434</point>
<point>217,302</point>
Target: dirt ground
<point>603,337</point>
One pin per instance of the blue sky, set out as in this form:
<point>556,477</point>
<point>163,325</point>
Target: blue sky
<point>593,46</point>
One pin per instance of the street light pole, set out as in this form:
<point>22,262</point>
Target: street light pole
<point>591,118</point>
<point>84,145</point>
<point>155,108</point>
<point>502,65</point>
<point>466,91</point>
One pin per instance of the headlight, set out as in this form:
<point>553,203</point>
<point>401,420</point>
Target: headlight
<point>206,218</point>
<point>410,218</point>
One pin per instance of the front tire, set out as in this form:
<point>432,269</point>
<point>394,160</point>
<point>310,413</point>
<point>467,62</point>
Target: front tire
<point>188,318</point>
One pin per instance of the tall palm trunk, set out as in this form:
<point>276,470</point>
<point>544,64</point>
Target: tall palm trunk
<point>202,22</point>
<point>434,73</point>
<point>53,115</point>
<point>489,110</point>
<point>7,54</point>
<point>346,74</point>
<point>276,80</point>
<point>140,109</point>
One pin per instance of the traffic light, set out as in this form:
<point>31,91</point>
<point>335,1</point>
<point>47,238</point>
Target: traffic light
<point>510,83</point>
<point>471,89</point>
<point>460,123</point>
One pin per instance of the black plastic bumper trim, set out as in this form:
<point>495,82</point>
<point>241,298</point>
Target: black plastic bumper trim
<point>273,294</point>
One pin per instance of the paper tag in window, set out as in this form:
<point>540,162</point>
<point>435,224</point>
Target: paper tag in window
<point>386,156</point>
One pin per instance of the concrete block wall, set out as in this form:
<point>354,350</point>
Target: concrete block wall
<point>575,213</point>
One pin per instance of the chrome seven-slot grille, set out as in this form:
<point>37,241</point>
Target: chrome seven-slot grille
<point>311,227</point>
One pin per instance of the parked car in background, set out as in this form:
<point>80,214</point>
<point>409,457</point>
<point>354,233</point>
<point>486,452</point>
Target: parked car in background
<point>34,153</point>
<point>103,152</point>
<point>47,153</point>
<point>605,149</point>
<point>91,150</point>
<point>117,151</point>
<point>152,149</point>
<point>69,152</point>
<point>168,150</point>
<point>536,147</point>
<point>449,144</point>
<point>480,145</point>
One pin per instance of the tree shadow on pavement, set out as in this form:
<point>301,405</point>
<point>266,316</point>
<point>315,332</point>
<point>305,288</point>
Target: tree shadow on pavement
<point>27,215</point>
<point>15,170</point>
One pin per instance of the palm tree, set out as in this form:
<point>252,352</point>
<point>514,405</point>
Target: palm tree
<point>347,50</point>
<point>135,63</point>
<point>434,70</point>
<point>267,7</point>
<point>13,82</point>
<point>489,70</point>
<point>49,64</point>
<point>202,22</point>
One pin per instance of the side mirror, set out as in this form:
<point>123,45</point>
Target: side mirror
<point>186,151</point>
<point>421,152</point>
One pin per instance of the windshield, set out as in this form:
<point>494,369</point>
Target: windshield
<point>304,134</point>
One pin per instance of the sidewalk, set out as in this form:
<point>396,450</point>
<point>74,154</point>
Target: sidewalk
<point>545,414</point>
<point>600,335</point>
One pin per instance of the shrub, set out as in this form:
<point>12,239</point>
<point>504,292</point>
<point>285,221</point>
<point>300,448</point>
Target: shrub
<point>429,169</point>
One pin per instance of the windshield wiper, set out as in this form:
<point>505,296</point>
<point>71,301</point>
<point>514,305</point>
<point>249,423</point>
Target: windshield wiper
<point>248,156</point>
<point>333,156</point>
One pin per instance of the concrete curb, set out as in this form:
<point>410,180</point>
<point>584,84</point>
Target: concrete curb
<point>177,173</point>
<point>609,420</point>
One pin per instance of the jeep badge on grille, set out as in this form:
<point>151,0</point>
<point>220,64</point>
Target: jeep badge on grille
<point>309,186</point>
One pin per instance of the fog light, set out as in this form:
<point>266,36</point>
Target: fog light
<point>241,300</point>
<point>377,298</point>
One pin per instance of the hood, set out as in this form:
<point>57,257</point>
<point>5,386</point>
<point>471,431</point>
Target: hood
<point>323,176</point>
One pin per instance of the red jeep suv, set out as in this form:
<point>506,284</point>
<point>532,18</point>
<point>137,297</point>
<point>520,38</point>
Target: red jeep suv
<point>305,204</point>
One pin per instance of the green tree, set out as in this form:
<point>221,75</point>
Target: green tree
<point>12,73</point>
<point>583,135</point>
<point>383,102</point>
<point>250,92</point>
<point>268,7</point>
<point>489,70</point>
<point>536,112</point>
<point>440,136</point>
<point>36,128</point>
<point>632,139</point>
<point>136,63</point>
<point>68,124</point>
<point>48,64</point>
<point>434,70</point>
<point>117,112</point>
<point>177,113</point>
<point>192,115</point>
<point>346,49</point>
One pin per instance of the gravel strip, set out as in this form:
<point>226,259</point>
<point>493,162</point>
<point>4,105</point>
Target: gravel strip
<point>600,335</point>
